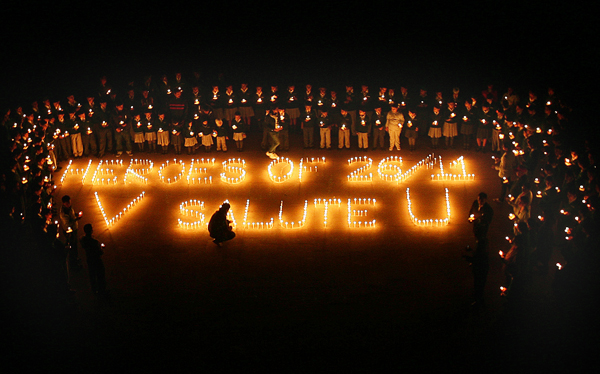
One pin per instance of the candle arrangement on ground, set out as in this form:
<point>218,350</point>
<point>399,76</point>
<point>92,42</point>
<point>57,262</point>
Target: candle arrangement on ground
<point>255,225</point>
<point>176,177</point>
<point>309,165</point>
<point>364,213</point>
<point>117,217</point>
<point>280,169</point>
<point>357,175</point>
<point>290,224</point>
<point>428,222</point>
<point>389,168</point>
<point>191,208</point>
<point>228,168</point>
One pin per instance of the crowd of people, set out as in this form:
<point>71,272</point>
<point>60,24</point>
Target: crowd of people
<point>547,176</point>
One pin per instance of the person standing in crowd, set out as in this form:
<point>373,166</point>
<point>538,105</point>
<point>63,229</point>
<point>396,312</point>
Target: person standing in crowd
<point>238,127</point>
<point>103,128</point>
<point>450,128</point>
<point>222,135</point>
<point>325,128</point>
<point>93,254</point>
<point>379,124</point>
<point>469,117</point>
<point>219,226</point>
<point>284,133</point>
<point>345,126</point>
<point>150,131</point>
<point>394,122</point>
<point>413,123</point>
<point>435,126</point>
<point>245,104</point>
<point>120,122</point>
<point>309,118</point>
<point>162,133</point>
<point>69,221</point>
<point>273,126</point>
<point>506,166</point>
<point>480,215</point>
<point>363,127</point>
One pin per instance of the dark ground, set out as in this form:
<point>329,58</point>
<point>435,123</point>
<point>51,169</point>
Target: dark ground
<point>315,299</point>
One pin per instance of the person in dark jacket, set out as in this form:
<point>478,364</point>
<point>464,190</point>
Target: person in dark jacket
<point>218,226</point>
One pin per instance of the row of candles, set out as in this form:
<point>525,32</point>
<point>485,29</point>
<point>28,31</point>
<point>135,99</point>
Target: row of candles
<point>429,222</point>
<point>357,175</point>
<point>117,217</point>
<point>362,201</point>
<point>188,209</point>
<point>311,161</point>
<point>227,167</point>
<point>283,176</point>
<point>290,224</point>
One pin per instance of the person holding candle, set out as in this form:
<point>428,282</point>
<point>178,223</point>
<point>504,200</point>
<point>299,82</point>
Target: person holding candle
<point>222,137</point>
<point>309,119</point>
<point>469,116</point>
<point>506,166</point>
<point>138,131</point>
<point>120,122</point>
<point>412,126</point>
<point>394,123</point>
<point>238,127</point>
<point>245,104</point>
<point>483,128</point>
<point>150,131</point>
<point>103,128</point>
<point>345,125</point>
<point>230,101</point>
<point>75,134</point>
<point>435,126</point>
<point>284,133</point>
<point>205,131</point>
<point>219,226</point>
<point>480,215</point>
<point>450,128</point>
<point>325,128</point>
<point>189,136</point>
<point>273,126</point>
<point>162,132</point>
<point>363,128</point>
<point>379,124</point>
<point>69,221</point>
<point>259,100</point>
<point>93,255</point>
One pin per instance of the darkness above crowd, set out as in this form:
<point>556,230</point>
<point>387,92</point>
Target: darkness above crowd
<point>57,49</point>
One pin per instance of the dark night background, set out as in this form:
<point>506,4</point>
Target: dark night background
<point>57,49</point>
<point>54,49</point>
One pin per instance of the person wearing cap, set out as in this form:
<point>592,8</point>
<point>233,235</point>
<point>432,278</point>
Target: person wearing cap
<point>309,119</point>
<point>363,128</point>
<point>219,226</point>
<point>120,122</point>
<point>239,131</point>
<point>273,126</point>
<point>393,124</point>
<point>344,128</point>
<point>379,125</point>
<point>324,122</point>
